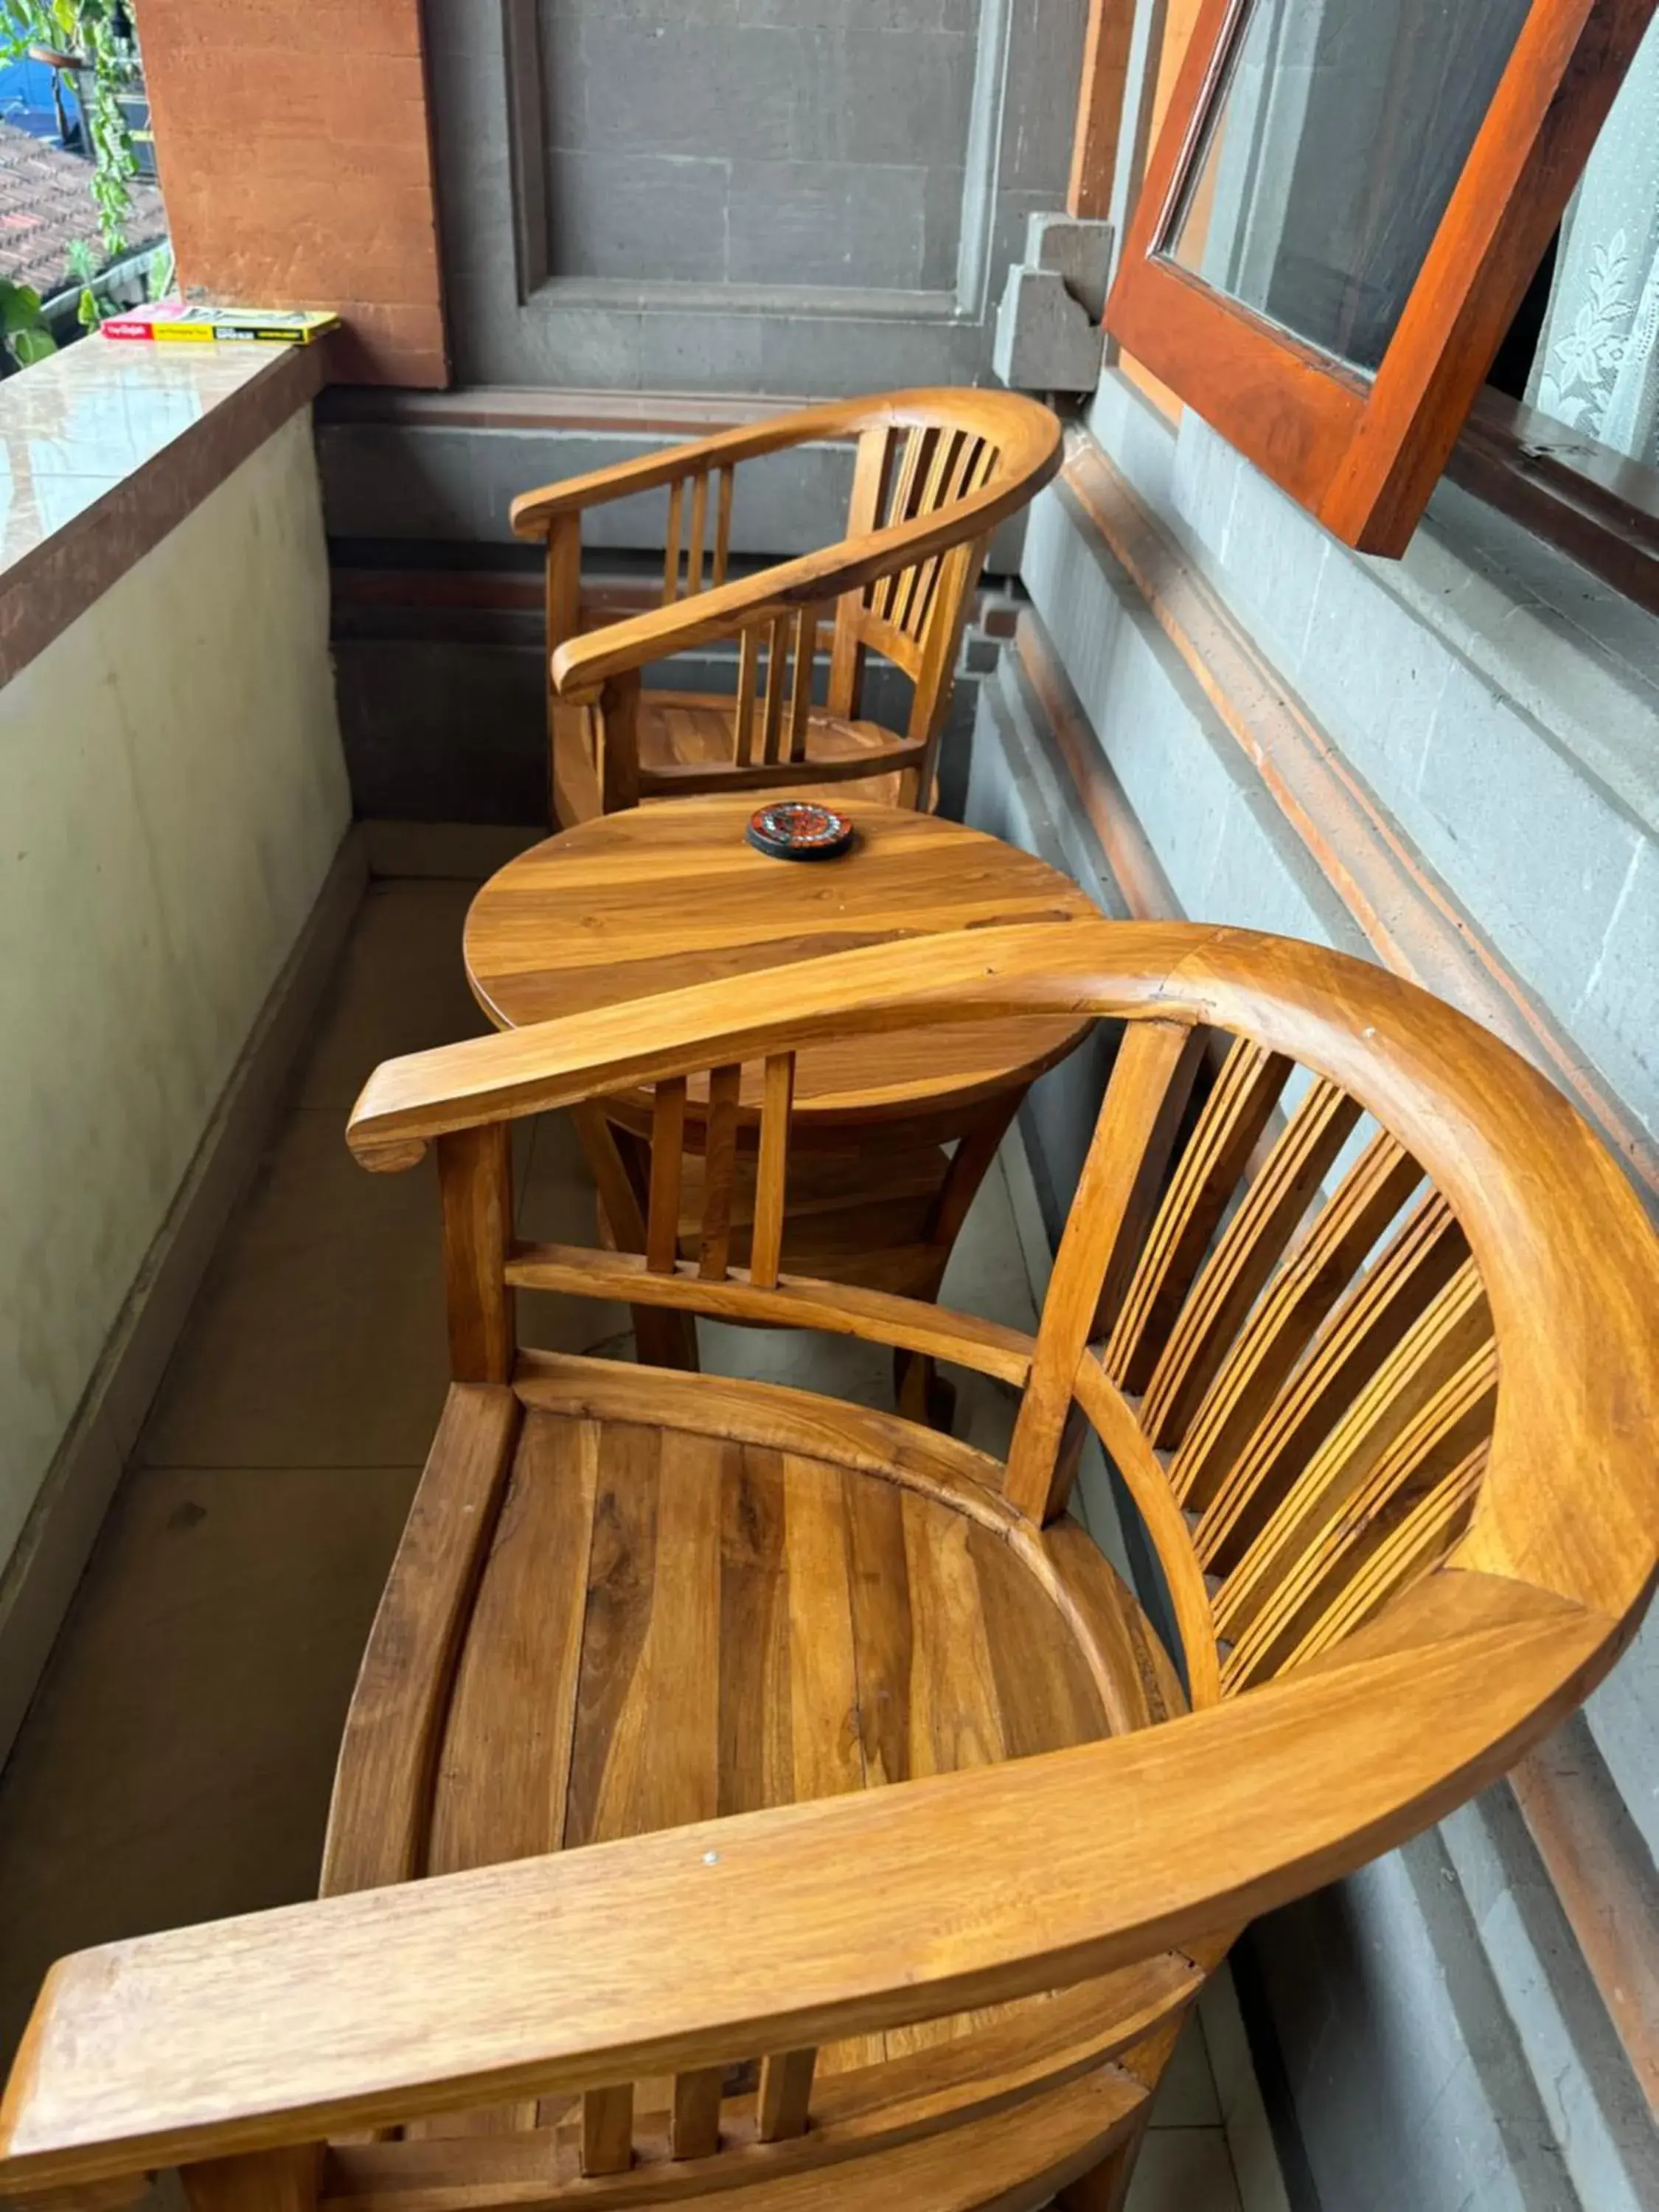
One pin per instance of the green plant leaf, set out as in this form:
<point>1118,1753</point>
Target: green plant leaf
<point>20,308</point>
<point>30,346</point>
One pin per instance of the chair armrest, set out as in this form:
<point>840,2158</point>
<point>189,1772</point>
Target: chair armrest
<point>583,662</point>
<point>532,512</point>
<point>768,1931</point>
<point>1024,968</point>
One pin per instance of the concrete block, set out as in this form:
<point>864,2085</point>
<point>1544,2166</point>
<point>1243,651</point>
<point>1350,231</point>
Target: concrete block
<point>1078,251</point>
<point>1044,340</point>
<point>1529,843</point>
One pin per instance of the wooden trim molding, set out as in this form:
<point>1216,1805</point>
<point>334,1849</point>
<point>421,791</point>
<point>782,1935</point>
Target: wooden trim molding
<point>1605,1882</point>
<point>531,407</point>
<point>1413,924</point>
<point>1598,505</point>
<point>1596,1864</point>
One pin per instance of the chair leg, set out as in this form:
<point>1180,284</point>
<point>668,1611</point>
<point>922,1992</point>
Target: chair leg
<point>1105,2187</point>
<point>923,1394</point>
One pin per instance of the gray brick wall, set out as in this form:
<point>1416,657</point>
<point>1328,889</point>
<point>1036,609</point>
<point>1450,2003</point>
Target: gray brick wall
<point>759,142</point>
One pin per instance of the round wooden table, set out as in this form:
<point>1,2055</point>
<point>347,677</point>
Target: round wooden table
<point>659,897</point>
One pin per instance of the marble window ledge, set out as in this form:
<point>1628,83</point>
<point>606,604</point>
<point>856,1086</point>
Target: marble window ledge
<point>107,446</point>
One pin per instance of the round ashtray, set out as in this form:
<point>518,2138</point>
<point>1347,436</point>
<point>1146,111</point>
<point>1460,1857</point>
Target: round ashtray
<point>799,829</point>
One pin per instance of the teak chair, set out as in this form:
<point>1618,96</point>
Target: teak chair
<point>894,1851</point>
<point>935,472</point>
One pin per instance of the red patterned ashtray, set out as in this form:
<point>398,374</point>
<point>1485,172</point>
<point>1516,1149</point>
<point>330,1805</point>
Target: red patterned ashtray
<point>799,829</point>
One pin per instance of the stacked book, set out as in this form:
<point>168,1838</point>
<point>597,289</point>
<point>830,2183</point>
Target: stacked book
<point>178,321</point>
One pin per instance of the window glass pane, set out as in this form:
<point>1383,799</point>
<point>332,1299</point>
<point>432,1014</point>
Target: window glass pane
<point>1597,368</point>
<point>1329,157</point>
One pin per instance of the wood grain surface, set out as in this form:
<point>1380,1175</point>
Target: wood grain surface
<point>634,904</point>
<point>737,1729</point>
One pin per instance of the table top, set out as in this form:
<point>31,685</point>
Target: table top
<point>663,896</point>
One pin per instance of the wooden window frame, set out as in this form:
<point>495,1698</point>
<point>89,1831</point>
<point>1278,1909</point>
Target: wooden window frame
<point>1363,454</point>
<point>1594,503</point>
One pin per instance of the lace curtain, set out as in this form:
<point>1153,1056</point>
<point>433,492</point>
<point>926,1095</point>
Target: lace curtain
<point>1597,368</point>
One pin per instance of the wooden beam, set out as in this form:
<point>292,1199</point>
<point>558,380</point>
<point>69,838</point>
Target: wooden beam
<point>1100,108</point>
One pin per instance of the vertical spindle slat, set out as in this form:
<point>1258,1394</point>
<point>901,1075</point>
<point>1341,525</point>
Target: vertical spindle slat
<point>743,727</point>
<point>965,478</point>
<point>662,1232</point>
<point>871,474</point>
<point>786,2091</point>
<point>1245,1255</point>
<point>695,2129</point>
<point>1410,1548</point>
<point>1283,1324</point>
<point>670,558</point>
<point>719,1167</point>
<point>917,448</point>
<point>694,556</point>
<point>1133,1137</point>
<point>1455,1329</point>
<point>1346,1533</point>
<point>931,700</point>
<point>772,718</point>
<point>1380,1310</point>
<point>800,691</point>
<point>940,469</point>
<point>608,2129</point>
<point>777,1098</point>
<point>1234,1117</point>
<point>722,522</point>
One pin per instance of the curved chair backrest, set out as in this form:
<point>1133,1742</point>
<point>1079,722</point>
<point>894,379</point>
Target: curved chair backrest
<point>1347,1290</point>
<point>935,472</point>
<point>1363,1312</point>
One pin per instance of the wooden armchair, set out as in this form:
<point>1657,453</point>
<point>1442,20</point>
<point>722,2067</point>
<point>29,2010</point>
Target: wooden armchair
<point>807,1815</point>
<point>936,471</point>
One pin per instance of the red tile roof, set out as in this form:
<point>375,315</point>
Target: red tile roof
<point>45,204</point>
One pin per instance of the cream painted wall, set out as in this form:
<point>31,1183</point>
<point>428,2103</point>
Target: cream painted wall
<point>172,792</point>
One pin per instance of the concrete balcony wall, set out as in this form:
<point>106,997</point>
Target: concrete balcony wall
<point>173,793</point>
